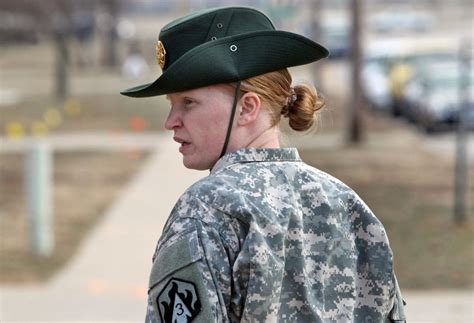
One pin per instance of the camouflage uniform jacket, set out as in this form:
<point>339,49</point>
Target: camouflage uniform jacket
<point>267,238</point>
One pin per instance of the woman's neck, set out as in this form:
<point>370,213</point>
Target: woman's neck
<point>266,139</point>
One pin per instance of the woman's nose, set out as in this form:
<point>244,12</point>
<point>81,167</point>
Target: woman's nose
<point>173,120</point>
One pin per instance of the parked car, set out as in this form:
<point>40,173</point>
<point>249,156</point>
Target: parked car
<point>16,27</point>
<point>378,57</point>
<point>389,64</point>
<point>435,95</point>
<point>376,85</point>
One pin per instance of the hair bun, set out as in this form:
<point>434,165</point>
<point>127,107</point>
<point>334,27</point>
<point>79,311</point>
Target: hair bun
<point>302,112</point>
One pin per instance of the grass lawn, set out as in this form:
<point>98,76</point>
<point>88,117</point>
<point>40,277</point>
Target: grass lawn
<point>79,202</point>
<point>411,191</point>
<point>96,112</point>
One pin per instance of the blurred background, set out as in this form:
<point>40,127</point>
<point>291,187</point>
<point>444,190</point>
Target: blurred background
<point>398,128</point>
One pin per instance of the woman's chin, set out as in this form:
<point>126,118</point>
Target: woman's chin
<point>192,163</point>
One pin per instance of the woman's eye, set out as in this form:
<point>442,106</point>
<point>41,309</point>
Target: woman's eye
<point>188,102</point>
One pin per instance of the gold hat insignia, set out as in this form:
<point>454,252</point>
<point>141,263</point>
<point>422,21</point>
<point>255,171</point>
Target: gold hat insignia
<point>160,54</point>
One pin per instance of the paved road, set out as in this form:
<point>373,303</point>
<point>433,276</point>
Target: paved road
<point>107,279</point>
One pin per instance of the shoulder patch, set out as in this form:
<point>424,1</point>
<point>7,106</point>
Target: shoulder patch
<point>178,301</point>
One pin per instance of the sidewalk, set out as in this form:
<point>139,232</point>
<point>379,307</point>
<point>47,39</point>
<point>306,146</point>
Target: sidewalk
<point>107,279</point>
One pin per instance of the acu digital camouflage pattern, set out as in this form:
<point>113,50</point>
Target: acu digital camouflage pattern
<point>284,242</point>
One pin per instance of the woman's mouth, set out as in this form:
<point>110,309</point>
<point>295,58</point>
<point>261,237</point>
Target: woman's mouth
<point>184,147</point>
<point>183,144</point>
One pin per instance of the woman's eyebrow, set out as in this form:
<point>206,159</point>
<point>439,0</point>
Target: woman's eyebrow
<point>176,95</point>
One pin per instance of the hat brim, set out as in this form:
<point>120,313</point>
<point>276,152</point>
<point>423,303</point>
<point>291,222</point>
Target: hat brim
<point>231,59</point>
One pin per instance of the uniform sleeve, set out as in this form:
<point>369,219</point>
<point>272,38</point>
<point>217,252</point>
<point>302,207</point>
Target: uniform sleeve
<point>397,314</point>
<point>191,273</point>
<point>375,266</point>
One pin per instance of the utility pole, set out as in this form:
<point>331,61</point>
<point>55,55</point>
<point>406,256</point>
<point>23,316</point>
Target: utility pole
<point>461,171</point>
<point>315,12</point>
<point>354,125</point>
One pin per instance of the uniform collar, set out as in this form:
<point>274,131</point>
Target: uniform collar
<point>249,155</point>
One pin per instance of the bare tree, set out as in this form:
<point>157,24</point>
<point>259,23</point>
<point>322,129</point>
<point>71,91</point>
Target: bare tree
<point>315,10</point>
<point>59,21</point>
<point>109,10</point>
<point>354,126</point>
<point>57,13</point>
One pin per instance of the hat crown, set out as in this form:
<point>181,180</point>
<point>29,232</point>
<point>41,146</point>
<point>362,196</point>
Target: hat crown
<point>188,32</point>
<point>224,45</point>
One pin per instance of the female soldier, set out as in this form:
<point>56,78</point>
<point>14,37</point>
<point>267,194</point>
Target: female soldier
<point>264,237</point>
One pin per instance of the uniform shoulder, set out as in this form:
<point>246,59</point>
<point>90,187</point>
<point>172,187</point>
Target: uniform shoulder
<point>326,180</point>
<point>210,189</point>
<point>339,193</point>
<point>210,199</point>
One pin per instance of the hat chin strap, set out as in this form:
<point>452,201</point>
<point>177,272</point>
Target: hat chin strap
<point>231,121</point>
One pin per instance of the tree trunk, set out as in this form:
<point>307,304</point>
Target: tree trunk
<point>315,10</point>
<point>354,127</point>
<point>111,8</point>
<point>60,36</point>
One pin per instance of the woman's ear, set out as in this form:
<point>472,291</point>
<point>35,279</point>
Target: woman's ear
<point>250,107</point>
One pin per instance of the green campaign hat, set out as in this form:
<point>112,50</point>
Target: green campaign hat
<point>223,45</point>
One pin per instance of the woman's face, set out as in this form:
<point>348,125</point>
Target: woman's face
<point>199,119</point>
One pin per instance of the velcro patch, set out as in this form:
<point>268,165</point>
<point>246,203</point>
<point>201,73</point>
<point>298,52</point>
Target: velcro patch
<point>178,301</point>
